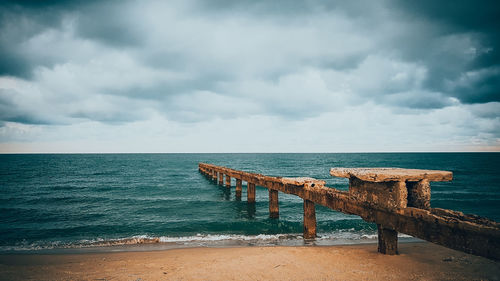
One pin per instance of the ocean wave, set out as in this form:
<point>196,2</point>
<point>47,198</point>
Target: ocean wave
<point>339,237</point>
<point>199,240</point>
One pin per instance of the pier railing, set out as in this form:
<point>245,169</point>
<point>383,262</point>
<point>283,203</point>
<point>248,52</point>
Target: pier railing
<point>397,200</point>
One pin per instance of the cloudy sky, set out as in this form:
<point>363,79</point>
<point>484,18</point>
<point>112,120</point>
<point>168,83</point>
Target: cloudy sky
<point>249,76</point>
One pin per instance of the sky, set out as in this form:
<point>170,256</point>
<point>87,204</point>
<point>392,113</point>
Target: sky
<point>249,76</point>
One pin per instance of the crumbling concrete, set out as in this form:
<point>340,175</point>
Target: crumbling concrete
<point>377,195</point>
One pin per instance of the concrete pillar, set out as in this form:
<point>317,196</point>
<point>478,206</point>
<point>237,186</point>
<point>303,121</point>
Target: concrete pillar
<point>221,178</point>
<point>238,188</point>
<point>228,181</point>
<point>274,208</point>
<point>387,241</point>
<point>389,195</point>
<point>214,175</point>
<point>309,220</point>
<point>419,194</point>
<point>251,192</point>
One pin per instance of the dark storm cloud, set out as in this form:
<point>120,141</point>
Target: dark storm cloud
<point>22,20</point>
<point>481,87</point>
<point>102,21</point>
<point>18,23</point>
<point>461,14</point>
<point>439,46</point>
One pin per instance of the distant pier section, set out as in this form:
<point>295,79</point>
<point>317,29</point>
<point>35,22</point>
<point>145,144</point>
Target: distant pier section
<point>397,200</point>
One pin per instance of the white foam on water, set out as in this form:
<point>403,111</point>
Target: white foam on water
<point>349,236</point>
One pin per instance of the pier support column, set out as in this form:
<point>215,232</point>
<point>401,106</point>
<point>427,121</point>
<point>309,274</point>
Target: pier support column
<point>274,208</point>
<point>228,181</point>
<point>388,195</point>
<point>419,194</point>
<point>309,220</point>
<point>221,178</point>
<point>238,188</point>
<point>387,241</point>
<point>250,192</point>
<point>214,175</point>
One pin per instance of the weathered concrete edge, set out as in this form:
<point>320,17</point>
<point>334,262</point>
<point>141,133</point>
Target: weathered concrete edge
<point>367,174</point>
<point>467,233</point>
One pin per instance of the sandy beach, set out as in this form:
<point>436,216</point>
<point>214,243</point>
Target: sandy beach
<point>416,261</point>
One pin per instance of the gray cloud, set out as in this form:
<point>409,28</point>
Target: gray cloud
<point>420,100</point>
<point>10,111</point>
<point>19,22</point>
<point>102,21</point>
<point>480,16</point>
<point>456,38</point>
<point>120,62</point>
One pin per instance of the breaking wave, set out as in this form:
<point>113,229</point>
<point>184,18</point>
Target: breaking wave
<point>145,242</point>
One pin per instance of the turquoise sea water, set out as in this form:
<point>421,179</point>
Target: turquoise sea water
<point>81,200</point>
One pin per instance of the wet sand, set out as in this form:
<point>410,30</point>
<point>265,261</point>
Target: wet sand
<point>416,261</point>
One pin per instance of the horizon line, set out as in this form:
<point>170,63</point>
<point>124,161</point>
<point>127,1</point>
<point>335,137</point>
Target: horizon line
<point>338,152</point>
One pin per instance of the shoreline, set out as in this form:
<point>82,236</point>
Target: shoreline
<point>144,243</point>
<point>416,261</point>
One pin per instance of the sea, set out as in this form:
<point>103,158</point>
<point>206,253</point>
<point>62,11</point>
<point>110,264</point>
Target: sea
<point>115,202</point>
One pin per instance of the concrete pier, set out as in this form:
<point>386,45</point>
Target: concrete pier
<point>397,200</point>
